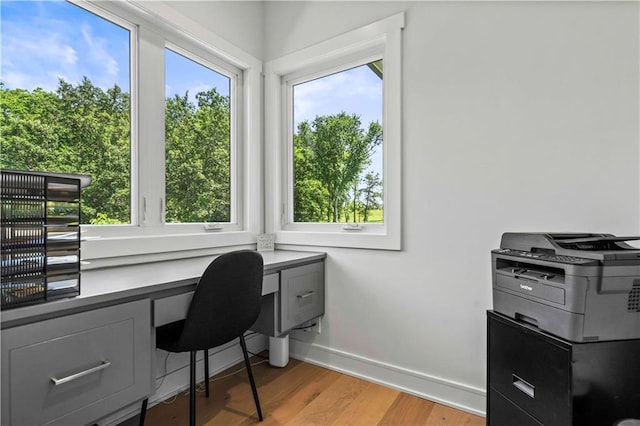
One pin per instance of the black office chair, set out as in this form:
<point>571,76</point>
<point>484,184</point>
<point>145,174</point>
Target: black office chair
<point>225,304</point>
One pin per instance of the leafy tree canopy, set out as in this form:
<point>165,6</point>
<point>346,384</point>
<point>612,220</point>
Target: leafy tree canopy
<point>331,153</point>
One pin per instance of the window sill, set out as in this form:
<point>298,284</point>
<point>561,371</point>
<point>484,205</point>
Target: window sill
<point>344,238</point>
<point>111,251</point>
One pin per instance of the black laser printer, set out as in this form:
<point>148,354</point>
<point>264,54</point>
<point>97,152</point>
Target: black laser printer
<point>580,287</point>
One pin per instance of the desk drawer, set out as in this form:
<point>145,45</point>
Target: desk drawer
<point>502,412</point>
<point>301,294</point>
<point>78,368</point>
<point>171,309</point>
<point>531,371</point>
<point>174,308</point>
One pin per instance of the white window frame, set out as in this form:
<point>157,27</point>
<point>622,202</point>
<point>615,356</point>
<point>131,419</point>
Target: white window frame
<point>148,238</point>
<point>379,40</point>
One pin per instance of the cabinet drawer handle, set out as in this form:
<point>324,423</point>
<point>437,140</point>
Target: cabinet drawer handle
<point>304,296</point>
<point>524,386</point>
<point>75,376</point>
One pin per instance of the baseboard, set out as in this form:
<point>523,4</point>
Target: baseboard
<point>176,380</point>
<point>443,391</point>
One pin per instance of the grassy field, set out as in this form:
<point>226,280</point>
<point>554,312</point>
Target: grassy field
<point>375,216</point>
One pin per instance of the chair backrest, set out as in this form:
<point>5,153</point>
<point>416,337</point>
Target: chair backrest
<point>226,301</point>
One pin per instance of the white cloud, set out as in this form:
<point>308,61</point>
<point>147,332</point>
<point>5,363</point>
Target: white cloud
<point>34,62</point>
<point>44,41</point>
<point>197,87</point>
<point>355,91</point>
<point>97,49</point>
<point>18,79</point>
<point>68,54</point>
<point>85,31</point>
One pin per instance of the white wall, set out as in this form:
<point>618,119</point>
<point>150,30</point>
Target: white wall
<point>517,116</point>
<point>238,22</point>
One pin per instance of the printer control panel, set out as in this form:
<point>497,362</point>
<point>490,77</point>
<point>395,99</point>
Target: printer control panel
<point>546,256</point>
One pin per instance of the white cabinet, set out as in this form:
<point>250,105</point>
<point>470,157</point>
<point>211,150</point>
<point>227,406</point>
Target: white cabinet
<point>75,369</point>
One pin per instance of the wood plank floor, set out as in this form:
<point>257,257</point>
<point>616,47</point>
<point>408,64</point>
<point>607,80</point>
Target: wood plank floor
<point>304,394</point>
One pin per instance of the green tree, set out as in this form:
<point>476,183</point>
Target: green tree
<point>198,158</point>
<point>371,193</point>
<point>78,129</point>
<point>336,151</point>
<point>310,196</point>
<point>28,133</point>
<point>94,129</point>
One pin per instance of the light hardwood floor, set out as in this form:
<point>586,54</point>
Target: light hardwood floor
<point>305,394</point>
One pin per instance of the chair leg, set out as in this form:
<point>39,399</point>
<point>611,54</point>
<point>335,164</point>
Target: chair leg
<point>253,383</point>
<point>192,390</point>
<point>206,372</point>
<point>143,412</point>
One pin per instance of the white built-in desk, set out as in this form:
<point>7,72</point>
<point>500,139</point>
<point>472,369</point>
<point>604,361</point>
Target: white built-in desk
<point>74,361</point>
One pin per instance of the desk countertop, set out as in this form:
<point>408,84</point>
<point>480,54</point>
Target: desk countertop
<point>107,286</point>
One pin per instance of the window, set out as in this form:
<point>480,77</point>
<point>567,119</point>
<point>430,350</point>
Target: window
<point>66,104</point>
<point>168,169</point>
<point>337,146</point>
<point>198,140</point>
<point>333,136</point>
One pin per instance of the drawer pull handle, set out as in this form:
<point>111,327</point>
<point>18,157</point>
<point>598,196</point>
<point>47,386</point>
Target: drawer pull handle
<point>75,376</point>
<point>524,386</point>
<point>304,296</point>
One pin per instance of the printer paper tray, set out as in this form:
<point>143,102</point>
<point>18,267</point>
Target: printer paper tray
<point>531,288</point>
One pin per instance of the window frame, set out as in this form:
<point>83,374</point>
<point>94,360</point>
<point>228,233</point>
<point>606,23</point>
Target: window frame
<point>379,40</point>
<point>148,237</point>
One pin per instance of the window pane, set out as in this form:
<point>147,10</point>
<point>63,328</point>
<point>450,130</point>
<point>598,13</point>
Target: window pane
<point>197,142</point>
<point>64,97</point>
<point>337,139</point>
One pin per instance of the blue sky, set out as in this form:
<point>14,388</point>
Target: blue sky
<point>44,41</point>
<point>356,90</point>
<point>183,74</point>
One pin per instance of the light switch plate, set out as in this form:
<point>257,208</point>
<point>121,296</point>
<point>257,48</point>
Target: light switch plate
<point>265,242</point>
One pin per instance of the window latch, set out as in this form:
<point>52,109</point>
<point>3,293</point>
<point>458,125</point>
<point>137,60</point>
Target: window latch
<point>212,227</point>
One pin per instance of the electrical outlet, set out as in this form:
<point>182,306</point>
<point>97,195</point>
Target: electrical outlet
<point>317,328</point>
<point>308,326</point>
<point>312,326</point>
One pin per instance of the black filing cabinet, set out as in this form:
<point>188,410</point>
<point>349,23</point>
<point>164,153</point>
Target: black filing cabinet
<point>534,378</point>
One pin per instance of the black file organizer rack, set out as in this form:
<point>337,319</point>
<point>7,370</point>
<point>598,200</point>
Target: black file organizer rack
<point>40,237</point>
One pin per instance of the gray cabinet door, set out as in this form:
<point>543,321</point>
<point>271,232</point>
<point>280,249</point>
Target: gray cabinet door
<point>77,368</point>
<point>301,294</point>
